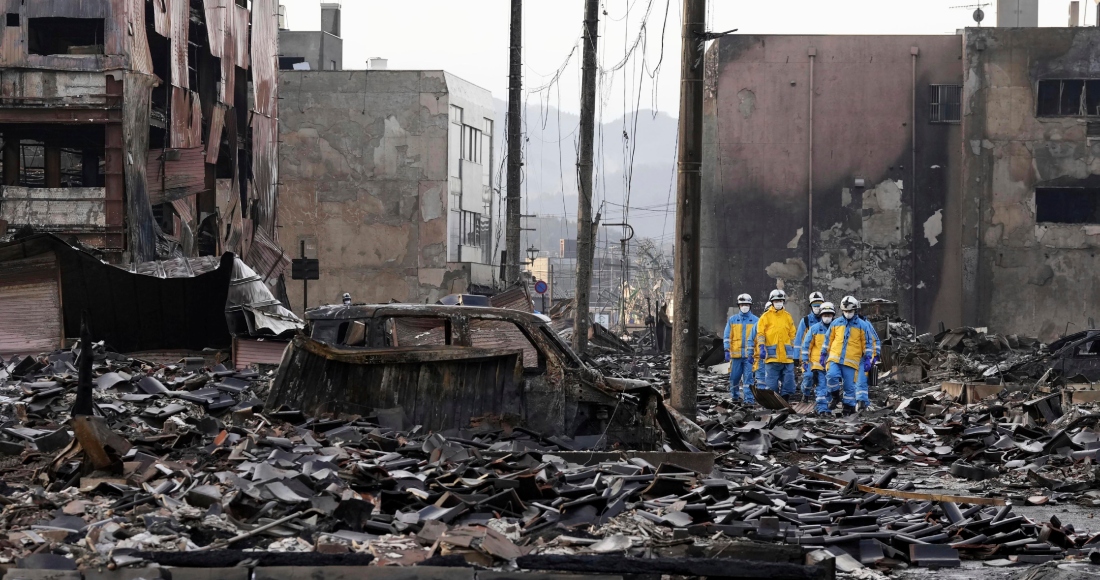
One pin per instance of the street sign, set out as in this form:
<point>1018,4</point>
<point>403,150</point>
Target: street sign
<point>540,287</point>
<point>305,269</point>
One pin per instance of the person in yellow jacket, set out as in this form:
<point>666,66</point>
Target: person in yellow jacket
<point>775,345</point>
<point>849,345</point>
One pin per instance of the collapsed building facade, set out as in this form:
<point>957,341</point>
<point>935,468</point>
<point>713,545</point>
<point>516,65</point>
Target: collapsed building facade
<point>953,174</point>
<point>387,178</point>
<point>145,129</point>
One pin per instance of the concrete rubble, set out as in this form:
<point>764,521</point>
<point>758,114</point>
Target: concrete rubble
<point>183,465</point>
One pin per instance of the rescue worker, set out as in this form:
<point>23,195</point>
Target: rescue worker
<point>848,345</point>
<point>863,395</point>
<point>737,338</point>
<point>813,371</point>
<point>775,345</point>
<point>758,367</point>
<point>816,302</point>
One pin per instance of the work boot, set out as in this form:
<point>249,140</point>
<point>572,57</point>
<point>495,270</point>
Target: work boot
<point>836,400</point>
<point>849,410</point>
<point>786,398</point>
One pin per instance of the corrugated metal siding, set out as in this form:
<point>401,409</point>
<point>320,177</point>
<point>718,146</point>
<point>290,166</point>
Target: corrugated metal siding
<point>514,298</point>
<point>141,59</point>
<point>215,25</point>
<point>30,306</point>
<point>214,141</point>
<point>240,34</point>
<point>179,22</point>
<point>174,179</point>
<point>247,351</point>
<point>186,119</point>
<point>161,18</point>
<point>497,334</point>
<point>265,256</point>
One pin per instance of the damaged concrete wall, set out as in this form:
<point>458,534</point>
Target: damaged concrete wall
<point>756,218</point>
<point>364,181</point>
<point>1023,275</point>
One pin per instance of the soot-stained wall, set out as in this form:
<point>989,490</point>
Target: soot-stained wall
<point>867,241</point>
<point>1023,275</point>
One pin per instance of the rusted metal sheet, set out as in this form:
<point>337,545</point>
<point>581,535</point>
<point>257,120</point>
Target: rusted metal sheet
<point>266,257</point>
<point>438,387</point>
<point>114,185</point>
<point>214,140</point>
<point>515,298</point>
<point>175,173</point>
<point>18,115</point>
<point>249,351</point>
<point>162,18</point>
<point>241,35</point>
<point>30,306</point>
<point>137,98</point>
<point>229,54</point>
<point>186,130</point>
<point>61,209</point>
<point>179,22</point>
<point>229,208</point>
<point>215,24</point>
<point>185,209</point>
<point>141,60</point>
<point>265,169</point>
<point>265,56</point>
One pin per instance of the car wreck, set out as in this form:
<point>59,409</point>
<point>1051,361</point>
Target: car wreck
<point>1076,358</point>
<point>450,367</point>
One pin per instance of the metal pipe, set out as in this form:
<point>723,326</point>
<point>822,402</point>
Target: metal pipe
<point>914,51</point>
<point>810,179</point>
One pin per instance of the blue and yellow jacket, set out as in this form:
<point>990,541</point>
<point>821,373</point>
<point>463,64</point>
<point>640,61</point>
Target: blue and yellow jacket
<point>848,342</point>
<point>812,342</point>
<point>740,334</point>
<point>775,331</point>
<point>874,335</point>
<point>804,325</point>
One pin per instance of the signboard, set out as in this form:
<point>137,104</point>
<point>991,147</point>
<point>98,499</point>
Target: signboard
<point>540,287</point>
<point>305,269</point>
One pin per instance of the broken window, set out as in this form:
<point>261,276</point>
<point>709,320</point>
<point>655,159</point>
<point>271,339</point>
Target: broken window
<point>1068,98</point>
<point>1067,205</point>
<point>71,36</point>
<point>421,331</point>
<point>288,62</point>
<point>1087,350</point>
<point>945,103</point>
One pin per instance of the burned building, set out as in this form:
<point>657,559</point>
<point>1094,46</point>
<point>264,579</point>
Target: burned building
<point>142,128</point>
<point>953,174</point>
<point>387,177</point>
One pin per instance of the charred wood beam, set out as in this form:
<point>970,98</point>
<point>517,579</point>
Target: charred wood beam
<point>710,567</point>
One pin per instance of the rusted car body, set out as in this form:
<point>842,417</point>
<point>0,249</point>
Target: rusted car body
<point>448,366</point>
<point>1076,356</point>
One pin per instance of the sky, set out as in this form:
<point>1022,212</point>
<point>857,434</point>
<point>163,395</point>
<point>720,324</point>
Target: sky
<point>469,38</point>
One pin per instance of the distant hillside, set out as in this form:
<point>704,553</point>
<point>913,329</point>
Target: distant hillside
<point>550,172</point>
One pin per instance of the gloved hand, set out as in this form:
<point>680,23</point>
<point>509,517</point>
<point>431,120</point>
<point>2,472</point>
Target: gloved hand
<point>805,366</point>
<point>763,352</point>
<point>752,361</point>
<point>824,357</point>
<point>866,364</point>
<point>727,356</point>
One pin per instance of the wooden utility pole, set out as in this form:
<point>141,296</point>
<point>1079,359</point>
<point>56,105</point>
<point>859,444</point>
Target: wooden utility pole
<point>515,146</point>
<point>685,319</point>
<point>585,226</point>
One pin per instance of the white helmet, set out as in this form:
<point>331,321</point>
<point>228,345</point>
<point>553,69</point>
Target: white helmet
<point>828,307</point>
<point>849,303</point>
<point>744,299</point>
<point>816,297</point>
<point>777,295</point>
<point>347,298</point>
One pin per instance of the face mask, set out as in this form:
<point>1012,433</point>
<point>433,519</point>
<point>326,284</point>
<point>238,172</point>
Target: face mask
<point>816,308</point>
<point>827,319</point>
<point>849,315</point>
<point>744,309</point>
<point>779,304</point>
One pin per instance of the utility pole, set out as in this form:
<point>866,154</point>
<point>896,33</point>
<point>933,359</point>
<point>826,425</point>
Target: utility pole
<point>585,227</point>
<point>515,147</point>
<point>685,319</point>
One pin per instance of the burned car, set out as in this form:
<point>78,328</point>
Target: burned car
<point>448,367</point>
<point>1076,357</point>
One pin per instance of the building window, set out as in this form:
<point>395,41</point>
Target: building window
<point>13,19</point>
<point>1067,205</point>
<point>1068,98</point>
<point>945,103</point>
<point>471,144</point>
<point>331,65</point>
<point>470,229</point>
<point>73,36</point>
<point>454,146</point>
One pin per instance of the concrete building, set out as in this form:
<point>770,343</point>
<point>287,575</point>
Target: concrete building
<point>388,178</point>
<point>560,274</point>
<point>318,49</point>
<point>954,174</point>
<point>144,129</point>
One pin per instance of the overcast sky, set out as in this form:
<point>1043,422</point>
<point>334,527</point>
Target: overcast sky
<point>470,37</point>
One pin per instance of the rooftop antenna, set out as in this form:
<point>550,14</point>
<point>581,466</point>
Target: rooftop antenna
<point>979,14</point>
